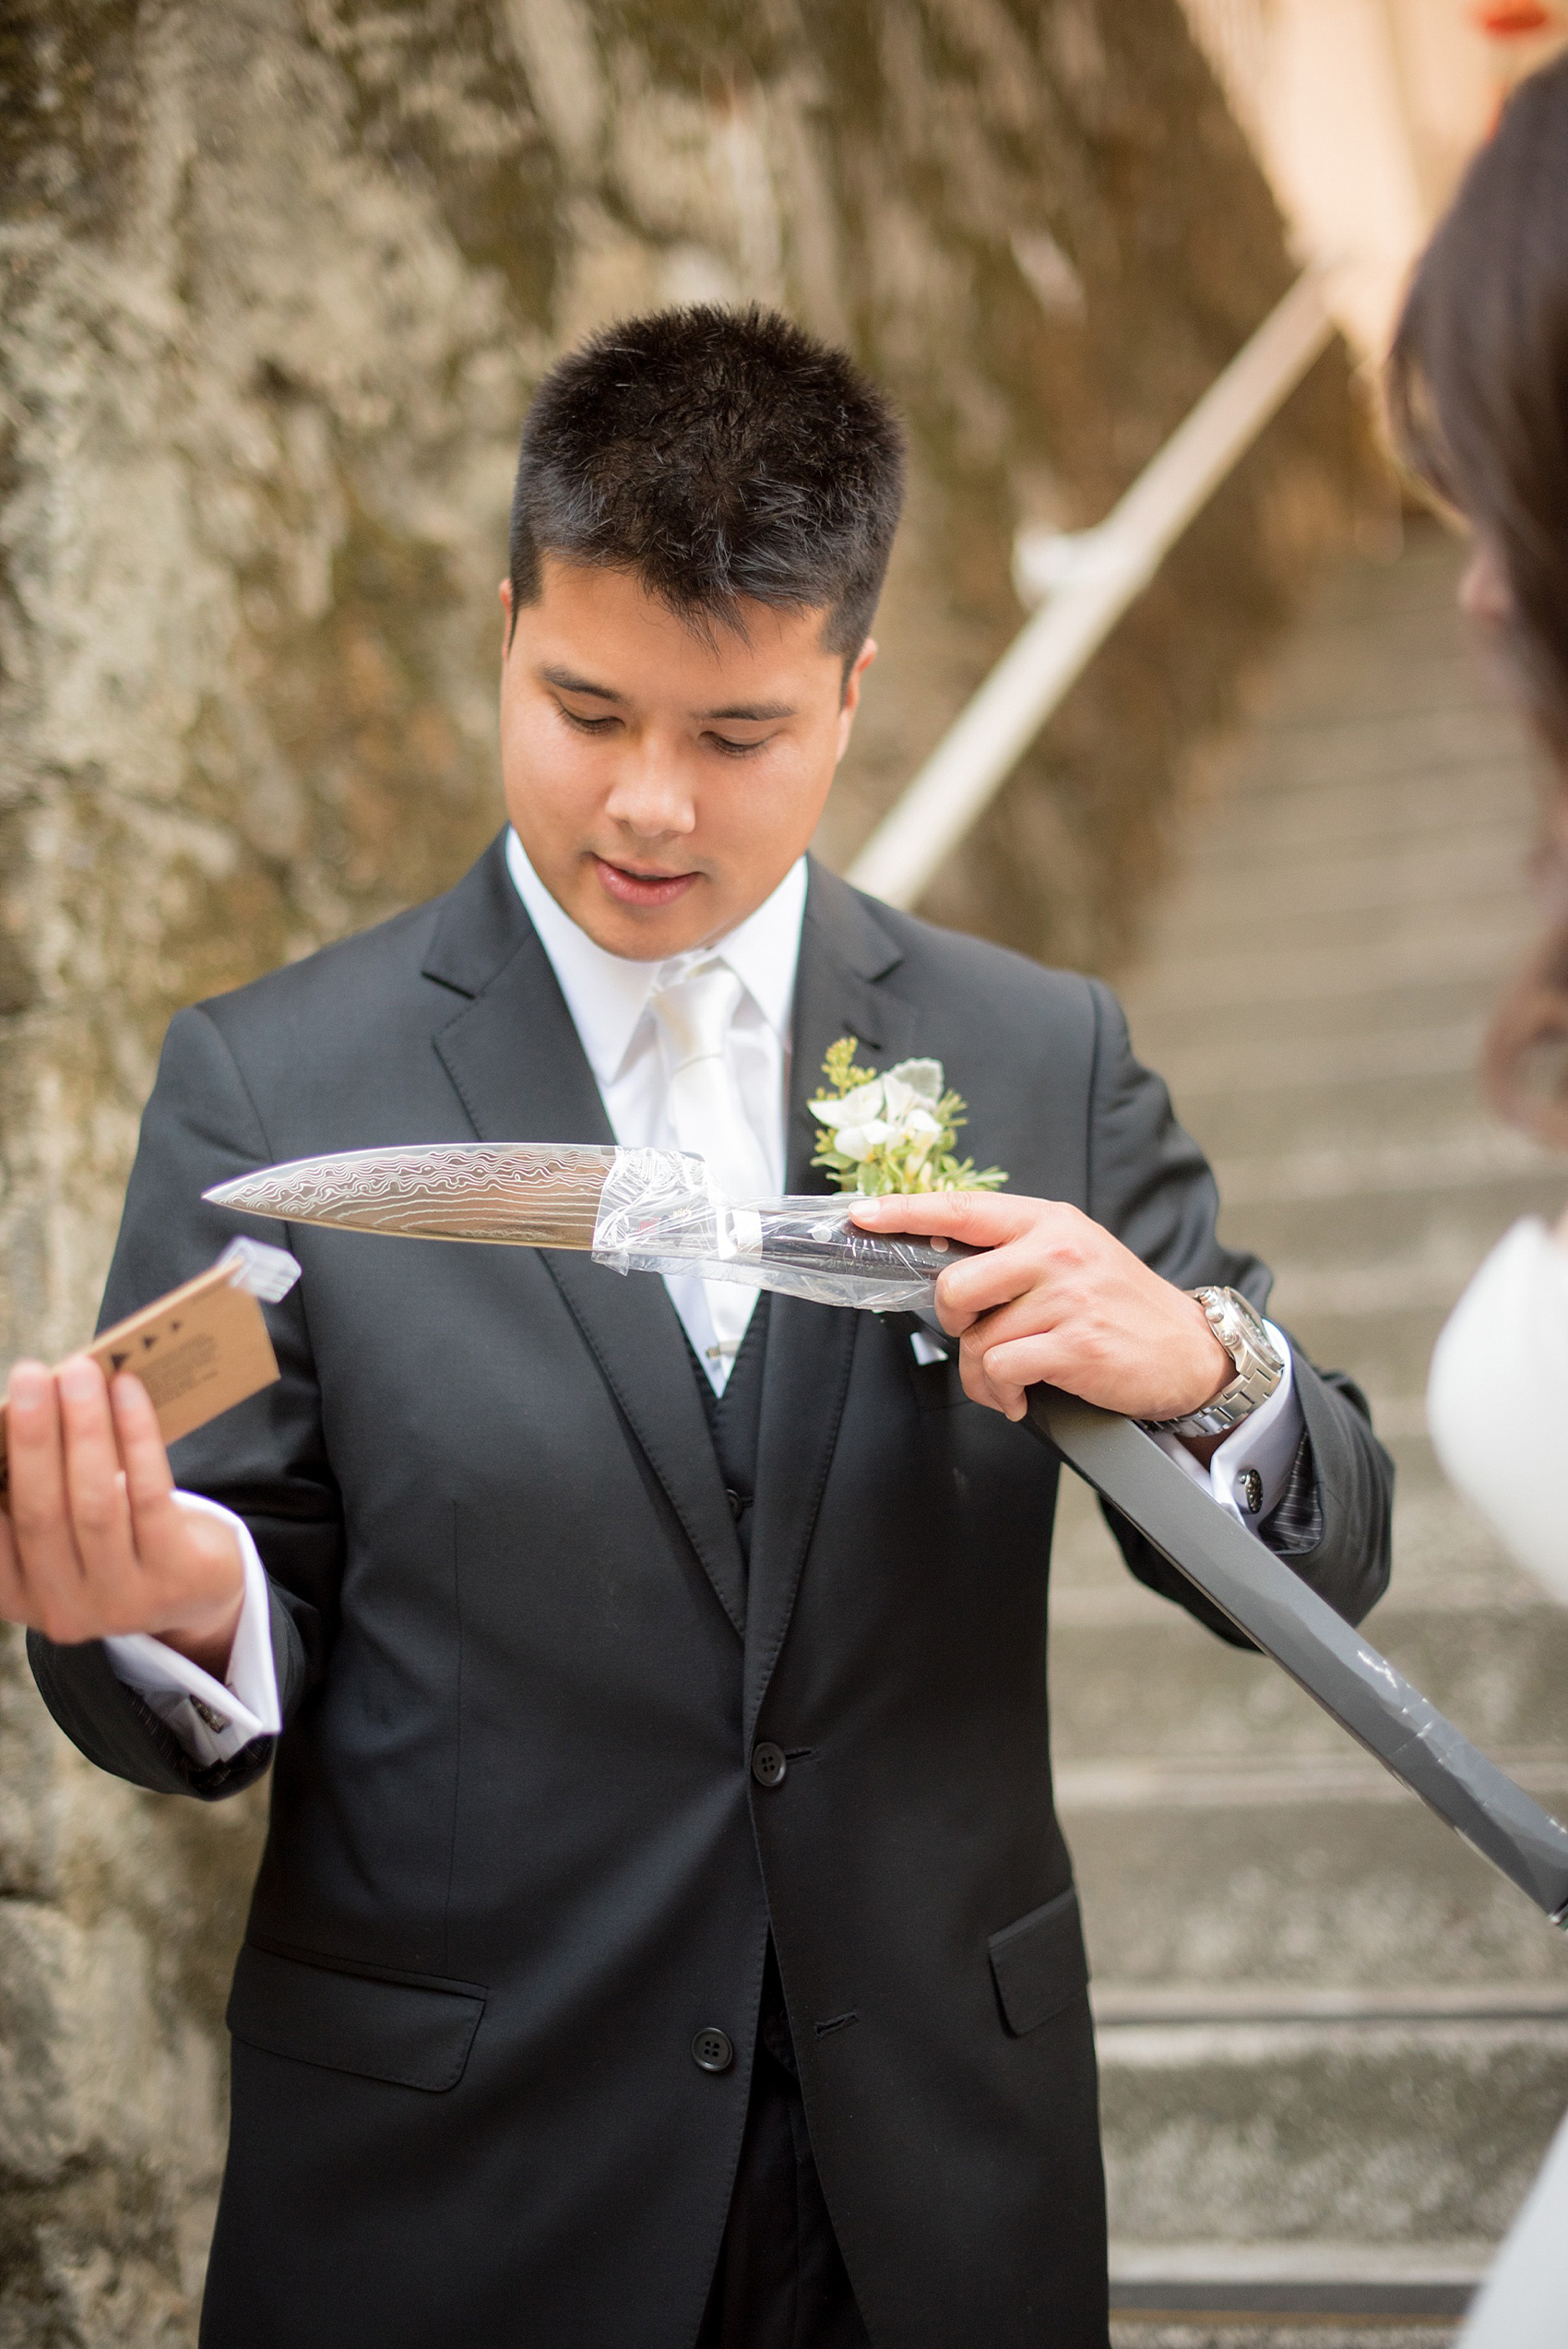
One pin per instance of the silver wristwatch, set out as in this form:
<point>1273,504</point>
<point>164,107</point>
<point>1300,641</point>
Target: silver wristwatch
<point>1259,1368</point>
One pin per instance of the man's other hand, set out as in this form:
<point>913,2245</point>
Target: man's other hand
<point>1057,1298</point>
<point>92,1548</point>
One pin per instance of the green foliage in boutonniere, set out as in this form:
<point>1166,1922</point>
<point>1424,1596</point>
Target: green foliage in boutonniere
<point>892,1133</point>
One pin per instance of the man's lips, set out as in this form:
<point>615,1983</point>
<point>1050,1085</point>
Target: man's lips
<point>628,886</point>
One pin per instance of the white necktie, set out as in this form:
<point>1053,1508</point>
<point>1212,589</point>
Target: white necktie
<point>693,1017</point>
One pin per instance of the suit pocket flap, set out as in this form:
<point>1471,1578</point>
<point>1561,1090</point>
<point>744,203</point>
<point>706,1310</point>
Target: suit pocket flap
<point>1039,1963</point>
<point>403,2031</point>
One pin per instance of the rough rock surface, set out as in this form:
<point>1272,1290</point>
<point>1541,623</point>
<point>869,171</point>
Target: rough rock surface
<point>277,277</point>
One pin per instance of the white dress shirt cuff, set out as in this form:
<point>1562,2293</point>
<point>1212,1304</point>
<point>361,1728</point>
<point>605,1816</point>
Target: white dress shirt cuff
<point>1266,1442</point>
<point>213,1719</point>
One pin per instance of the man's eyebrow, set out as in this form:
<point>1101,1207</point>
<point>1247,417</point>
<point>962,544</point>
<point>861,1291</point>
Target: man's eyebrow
<point>757,713</point>
<point>565,681</point>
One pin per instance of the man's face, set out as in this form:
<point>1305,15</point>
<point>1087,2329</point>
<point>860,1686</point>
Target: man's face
<point>663,784</point>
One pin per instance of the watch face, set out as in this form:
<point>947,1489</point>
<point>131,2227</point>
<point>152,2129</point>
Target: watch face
<point>1240,1306</point>
<point>1247,1322</point>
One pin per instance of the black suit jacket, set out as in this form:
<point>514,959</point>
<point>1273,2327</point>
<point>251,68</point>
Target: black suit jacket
<point>517,1860</point>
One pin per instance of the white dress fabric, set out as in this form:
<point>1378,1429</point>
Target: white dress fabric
<point>1524,2302</point>
<point>1497,1405</point>
<point>1497,1401</point>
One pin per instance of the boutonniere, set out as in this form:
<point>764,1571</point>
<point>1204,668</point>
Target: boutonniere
<point>892,1133</point>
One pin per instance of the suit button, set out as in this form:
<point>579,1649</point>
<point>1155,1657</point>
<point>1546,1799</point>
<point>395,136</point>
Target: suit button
<point>737,1502</point>
<point>768,1764</point>
<point>711,2051</point>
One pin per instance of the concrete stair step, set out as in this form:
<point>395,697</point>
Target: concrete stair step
<point>1432,956</point>
<point>1414,2132</point>
<point>1311,826</point>
<point>1133,2331</point>
<point>1179,1038</point>
<point>1345,667</point>
<point>1331,906</point>
<point>1376,1252</point>
<point>1224,2331</point>
<point>1365,1064</point>
<point>1415,883</point>
<point>1383,1345</point>
<point>1316,2296</point>
<point>1340,662</point>
<point>1207,1875</point>
<point>1448,1559</point>
<point>1298,1115</point>
<point>1387,1347</point>
<point>1452,1156</point>
<point>1118,2004</point>
<point>1333,753</point>
<point>1183,1039</point>
<point>1144,1685</point>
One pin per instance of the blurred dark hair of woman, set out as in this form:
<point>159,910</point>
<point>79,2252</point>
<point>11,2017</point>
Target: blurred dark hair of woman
<point>1478,400</point>
<point>1478,386</point>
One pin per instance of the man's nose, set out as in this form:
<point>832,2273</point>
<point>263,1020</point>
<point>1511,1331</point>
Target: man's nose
<point>652,793</point>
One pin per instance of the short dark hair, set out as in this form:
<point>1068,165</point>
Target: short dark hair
<point>720,454</point>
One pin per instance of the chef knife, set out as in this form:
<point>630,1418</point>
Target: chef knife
<point>635,1209</point>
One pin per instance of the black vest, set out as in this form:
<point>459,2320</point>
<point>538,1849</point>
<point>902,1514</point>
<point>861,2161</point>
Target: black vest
<point>734,1420</point>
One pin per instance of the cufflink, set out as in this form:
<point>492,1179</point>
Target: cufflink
<point>217,1721</point>
<point>1248,1490</point>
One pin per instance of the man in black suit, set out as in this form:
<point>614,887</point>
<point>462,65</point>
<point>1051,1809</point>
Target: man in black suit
<point>664,1933</point>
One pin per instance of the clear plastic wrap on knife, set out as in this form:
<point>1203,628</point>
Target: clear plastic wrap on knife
<point>659,1213</point>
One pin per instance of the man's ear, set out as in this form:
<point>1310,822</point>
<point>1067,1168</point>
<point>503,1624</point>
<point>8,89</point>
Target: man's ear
<point>852,700</point>
<point>509,620</point>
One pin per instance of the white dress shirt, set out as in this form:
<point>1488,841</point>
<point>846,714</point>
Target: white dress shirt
<point>212,1719</point>
<point>1266,1442</point>
<point>608,998</point>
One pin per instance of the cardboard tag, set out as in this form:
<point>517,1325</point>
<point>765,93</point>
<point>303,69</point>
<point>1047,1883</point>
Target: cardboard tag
<point>197,1350</point>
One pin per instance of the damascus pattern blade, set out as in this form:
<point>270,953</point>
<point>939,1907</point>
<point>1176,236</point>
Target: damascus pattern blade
<point>537,1195</point>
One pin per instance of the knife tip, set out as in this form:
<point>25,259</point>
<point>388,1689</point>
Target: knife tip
<point>236,1192</point>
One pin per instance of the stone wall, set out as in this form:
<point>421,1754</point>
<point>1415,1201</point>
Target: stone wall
<point>278,276</point>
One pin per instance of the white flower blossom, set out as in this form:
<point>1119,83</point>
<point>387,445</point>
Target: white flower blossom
<point>853,1109</point>
<point>892,1109</point>
<point>923,1076</point>
<point>893,1132</point>
<point>859,1141</point>
<point>921,1131</point>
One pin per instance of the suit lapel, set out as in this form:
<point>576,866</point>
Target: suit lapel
<point>840,989</point>
<point>520,1072</point>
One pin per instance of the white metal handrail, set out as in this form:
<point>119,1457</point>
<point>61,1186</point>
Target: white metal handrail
<point>1089,580</point>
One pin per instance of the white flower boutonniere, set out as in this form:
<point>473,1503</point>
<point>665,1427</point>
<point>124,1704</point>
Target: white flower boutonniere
<point>892,1133</point>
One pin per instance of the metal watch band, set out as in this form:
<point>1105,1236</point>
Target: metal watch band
<point>1259,1368</point>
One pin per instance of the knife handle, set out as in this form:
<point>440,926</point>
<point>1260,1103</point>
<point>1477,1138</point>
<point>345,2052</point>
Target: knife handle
<point>802,1240</point>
